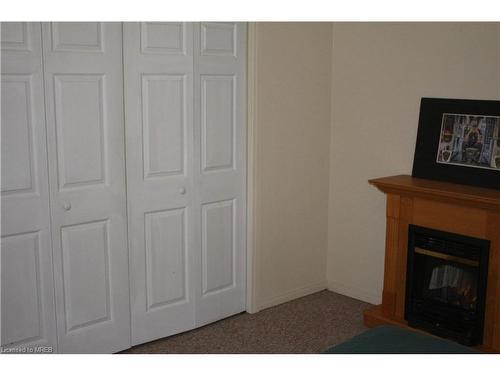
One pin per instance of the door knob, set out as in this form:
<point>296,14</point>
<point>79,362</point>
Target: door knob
<point>67,206</point>
<point>182,190</point>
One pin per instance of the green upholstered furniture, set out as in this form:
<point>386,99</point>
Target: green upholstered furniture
<point>395,340</point>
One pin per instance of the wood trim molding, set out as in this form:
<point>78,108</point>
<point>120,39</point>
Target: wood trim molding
<point>443,191</point>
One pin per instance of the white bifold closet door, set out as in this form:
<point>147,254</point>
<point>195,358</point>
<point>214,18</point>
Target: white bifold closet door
<point>28,317</point>
<point>186,144</point>
<point>159,140</point>
<point>220,168</point>
<point>85,131</point>
<point>64,257</point>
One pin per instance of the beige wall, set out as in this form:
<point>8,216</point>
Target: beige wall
<point>380,72</point>
<point>290,108</point>
<point>325,120</point>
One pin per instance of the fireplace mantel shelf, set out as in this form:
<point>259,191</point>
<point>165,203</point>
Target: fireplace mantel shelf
<point>465,210</point>
<point>442,191</point>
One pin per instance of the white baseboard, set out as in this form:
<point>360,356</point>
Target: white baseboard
<point>354,292</point>
<point>292,294</point>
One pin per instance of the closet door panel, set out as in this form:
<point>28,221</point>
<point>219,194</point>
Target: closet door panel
<point>220,169</point>
<point>159,138</point>
<point>86,280</point>
<point>163,116</point>
<point>17,169</point>
<point>18,36</point>
<point>218,246</point>
<point>220,39</point>
<point>84,102</point>
<point>28,313</point>
<point>164,37</point>
<point>217,121</point>
<point>166,266</point>
<point>77,36</point>
<point>80,129</point>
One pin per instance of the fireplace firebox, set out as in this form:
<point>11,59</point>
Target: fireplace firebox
<point>446,284</point>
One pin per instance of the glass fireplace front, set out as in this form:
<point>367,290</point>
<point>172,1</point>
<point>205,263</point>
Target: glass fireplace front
<point>446,284</point>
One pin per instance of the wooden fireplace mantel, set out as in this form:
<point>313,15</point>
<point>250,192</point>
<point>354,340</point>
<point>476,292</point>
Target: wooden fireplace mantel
<point>466,210</point>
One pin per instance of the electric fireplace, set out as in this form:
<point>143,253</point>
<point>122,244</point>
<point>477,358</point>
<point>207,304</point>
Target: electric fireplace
<point>460,298</point>
<point>446,284</point>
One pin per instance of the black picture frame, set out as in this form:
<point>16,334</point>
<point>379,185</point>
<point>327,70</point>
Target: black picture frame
<point>425,163</point>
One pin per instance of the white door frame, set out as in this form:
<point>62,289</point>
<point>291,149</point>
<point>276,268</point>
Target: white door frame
<point>252,278</point>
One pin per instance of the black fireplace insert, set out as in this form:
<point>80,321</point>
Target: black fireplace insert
<point>446,284</point>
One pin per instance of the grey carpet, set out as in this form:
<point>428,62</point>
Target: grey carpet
<point>309,324</point>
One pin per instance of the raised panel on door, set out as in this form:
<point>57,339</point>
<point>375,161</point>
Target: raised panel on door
<point>80,129</point>
<point>77,36</point>
<point>158,65</point>
<point>217,121</point>
<point>220,167</point>
<point>21,295</point>
<point>85,127</point>
<point>85,250</point>
<point>163,119</point>
<point>16,36</point>
<point>17,134</point>
<point>164,37</point>
<point>219,39</point>
<point>166,266</point>
<point>28,314</point>
<point>217,246</point>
